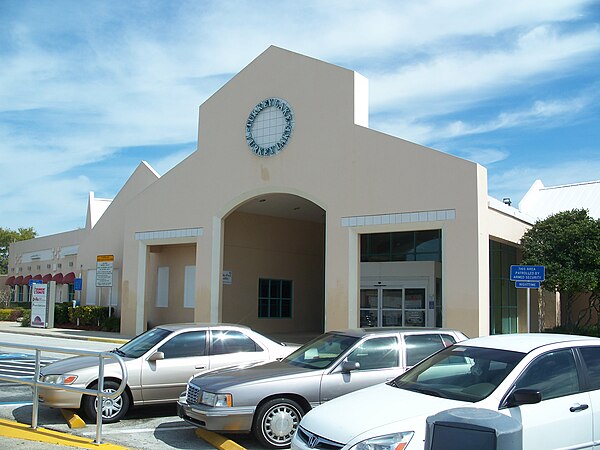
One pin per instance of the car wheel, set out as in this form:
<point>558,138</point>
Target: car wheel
<point>113,409</point>
<point>276,422</point>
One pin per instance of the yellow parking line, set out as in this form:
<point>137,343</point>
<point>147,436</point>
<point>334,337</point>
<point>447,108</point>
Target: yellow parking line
<point>21,431</point>
<point>217,441</point>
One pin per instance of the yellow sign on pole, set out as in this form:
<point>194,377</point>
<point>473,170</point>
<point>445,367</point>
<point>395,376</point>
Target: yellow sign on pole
<point>104,270</point>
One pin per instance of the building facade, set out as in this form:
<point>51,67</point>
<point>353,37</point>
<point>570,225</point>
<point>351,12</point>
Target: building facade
<point>293,215</point>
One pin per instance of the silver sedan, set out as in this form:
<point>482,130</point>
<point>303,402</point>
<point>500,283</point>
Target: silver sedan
<point>159,363</point>
<point>270,399</point>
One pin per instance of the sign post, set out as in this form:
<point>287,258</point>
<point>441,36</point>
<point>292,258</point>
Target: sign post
<point>527,277</point>
<point>104,276</point>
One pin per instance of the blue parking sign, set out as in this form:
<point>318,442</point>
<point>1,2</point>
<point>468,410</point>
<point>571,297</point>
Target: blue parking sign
<point>77,284</point>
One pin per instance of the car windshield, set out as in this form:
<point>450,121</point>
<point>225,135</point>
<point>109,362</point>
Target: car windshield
<point>322,351</point>
<point>142,343</point>
<point>460,373</point>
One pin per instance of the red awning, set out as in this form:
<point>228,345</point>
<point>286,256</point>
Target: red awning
<point>69,278</point>
<point>26,280</point>
<point>10,281</point>
<point>38,276</point>
<point>58,277</point>
<point>19,280</point>
<point>46,278</point>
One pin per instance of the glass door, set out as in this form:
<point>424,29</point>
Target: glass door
<point>381,306</point>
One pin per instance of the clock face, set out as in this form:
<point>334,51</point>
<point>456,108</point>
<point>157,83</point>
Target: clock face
<point>269,127</point>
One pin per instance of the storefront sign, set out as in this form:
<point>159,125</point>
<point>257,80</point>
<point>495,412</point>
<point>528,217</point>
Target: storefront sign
<point>39,302</point>
<point>104,270</point>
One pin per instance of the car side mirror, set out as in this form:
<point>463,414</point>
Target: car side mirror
<point>349,366</point>
<point>523,397</point>
<point>156,356</point>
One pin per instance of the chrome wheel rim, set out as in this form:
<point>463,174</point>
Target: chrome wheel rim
<point>280,423</point>
<point>111,407</point>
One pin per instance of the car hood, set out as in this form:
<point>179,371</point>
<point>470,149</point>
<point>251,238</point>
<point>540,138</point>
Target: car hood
<point>375,407</point>
<point>76,363</point>
<point>218,380</point>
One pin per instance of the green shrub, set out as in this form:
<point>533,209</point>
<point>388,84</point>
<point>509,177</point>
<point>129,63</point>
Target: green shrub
<point>23,305</point>
<point>61,313</point>
<point>111,324</point>
<point>88,315</point>
<point>11,314</point>
<point>26,322</point>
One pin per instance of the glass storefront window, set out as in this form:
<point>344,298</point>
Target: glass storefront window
<point>401,246</point>
<point>503,293</point>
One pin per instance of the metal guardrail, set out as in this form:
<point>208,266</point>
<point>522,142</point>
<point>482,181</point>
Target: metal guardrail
<point>99,392</point>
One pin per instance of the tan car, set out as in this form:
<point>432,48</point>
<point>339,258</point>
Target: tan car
<point>159,364</point>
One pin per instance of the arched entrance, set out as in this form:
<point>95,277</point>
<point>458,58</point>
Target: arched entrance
<point>273,265</point>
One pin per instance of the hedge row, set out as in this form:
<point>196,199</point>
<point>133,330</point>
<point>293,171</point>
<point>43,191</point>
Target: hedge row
<point>95,317</point>
<point>10,315</point>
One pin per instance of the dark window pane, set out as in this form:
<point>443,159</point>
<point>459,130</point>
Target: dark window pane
<point>553,374</point>
<point>274,309</point>
<point>229,341</point>
<point>427,241</point>
<point>263,307</point>
<point>286,289</point>
<point>380,246</point>
<point>263,288</point>
<point>185,345</point>
<point>420,346</point>
<point>275,291</point>
<point>286,308</point>
<point>591,356</point>
<point>402,245</point>
<point>378,353</point>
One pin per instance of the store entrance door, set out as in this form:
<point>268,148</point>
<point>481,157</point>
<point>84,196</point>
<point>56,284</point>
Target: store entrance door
<point>382,306</point>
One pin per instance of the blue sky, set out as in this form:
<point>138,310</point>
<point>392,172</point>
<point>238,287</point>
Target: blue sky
<point>88,89</point>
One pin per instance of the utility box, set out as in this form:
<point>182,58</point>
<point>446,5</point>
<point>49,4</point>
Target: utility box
<point>473,429</point>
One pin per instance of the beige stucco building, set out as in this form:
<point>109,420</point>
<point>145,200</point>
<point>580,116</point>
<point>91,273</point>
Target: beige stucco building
<point>293,215</point>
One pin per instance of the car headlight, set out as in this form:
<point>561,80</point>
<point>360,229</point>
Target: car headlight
<point>395,441</point>
<point>59,379</point>
<point>210,399</point>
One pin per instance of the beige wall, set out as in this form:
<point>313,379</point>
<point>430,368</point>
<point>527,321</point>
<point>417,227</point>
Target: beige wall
<point>275,248</point>
<point>175,257</point>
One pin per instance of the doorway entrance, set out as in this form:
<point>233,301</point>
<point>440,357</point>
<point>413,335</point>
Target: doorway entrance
<point>386,306</point>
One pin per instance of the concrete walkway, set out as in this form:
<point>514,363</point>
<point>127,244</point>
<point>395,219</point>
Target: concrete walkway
<point>101,336</point>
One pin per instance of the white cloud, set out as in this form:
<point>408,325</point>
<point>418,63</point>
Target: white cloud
<point>541,111</point>
<point>460,79</point>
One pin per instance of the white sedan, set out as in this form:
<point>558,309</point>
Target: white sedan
<point>549,383</point>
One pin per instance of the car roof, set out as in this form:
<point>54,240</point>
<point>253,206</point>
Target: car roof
<point>360,332</point>
<point>179,326</point>
<point>526,342</point>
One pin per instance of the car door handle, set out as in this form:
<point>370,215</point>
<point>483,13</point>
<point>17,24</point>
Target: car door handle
<point>200,367</point>
<point>578,408</point>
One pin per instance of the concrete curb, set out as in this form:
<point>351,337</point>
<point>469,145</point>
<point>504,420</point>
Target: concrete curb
<point>21,431</point>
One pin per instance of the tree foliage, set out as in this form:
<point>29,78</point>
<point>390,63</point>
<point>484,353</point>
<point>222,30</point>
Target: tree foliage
<point>7,237</point>
<point>568,245</point>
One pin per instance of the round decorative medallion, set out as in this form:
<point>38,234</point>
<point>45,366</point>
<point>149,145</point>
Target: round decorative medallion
<point>269,127</point>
